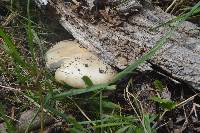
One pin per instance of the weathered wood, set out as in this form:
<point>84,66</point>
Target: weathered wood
<point>119,40</point>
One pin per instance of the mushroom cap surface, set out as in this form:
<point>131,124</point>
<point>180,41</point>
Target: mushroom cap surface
<point>63,50</point>
<point>72,71</point>
<point>74,62</point>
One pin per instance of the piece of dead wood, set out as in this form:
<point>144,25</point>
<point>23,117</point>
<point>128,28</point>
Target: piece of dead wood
<point>121,39</point>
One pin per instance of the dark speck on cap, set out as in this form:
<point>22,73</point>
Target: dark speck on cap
<point>101,71</point>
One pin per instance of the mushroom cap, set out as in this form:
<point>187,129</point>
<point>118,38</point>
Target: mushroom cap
<point>76,62</point>
<point>63,50</point>
<point>72,71</point>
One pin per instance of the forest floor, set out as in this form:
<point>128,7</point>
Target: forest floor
<point>27,87</point>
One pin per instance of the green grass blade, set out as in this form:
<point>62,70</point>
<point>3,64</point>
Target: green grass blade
<point>76,125</point>
<point>39,42</point>
<point>87,81</point>
<point>112,124</point>
<point>122,130</point>
<point>11,49</point>
<point>81,91</point>
<point>195,10</point>
<point>54,111</point>
<point>30,36</point>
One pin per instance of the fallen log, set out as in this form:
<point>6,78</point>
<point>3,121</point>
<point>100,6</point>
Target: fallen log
<point>121,36</point>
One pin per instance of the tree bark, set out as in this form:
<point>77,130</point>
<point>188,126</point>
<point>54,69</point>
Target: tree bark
<point>120,39</point>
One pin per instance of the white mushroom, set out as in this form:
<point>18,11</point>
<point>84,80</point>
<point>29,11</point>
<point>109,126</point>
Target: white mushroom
<point>63,50</point>
<point>76,62</point>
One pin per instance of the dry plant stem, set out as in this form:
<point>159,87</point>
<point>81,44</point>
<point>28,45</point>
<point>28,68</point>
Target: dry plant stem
<point>180,104</point>
<point>171,5</point>
<point>194,110</point>
<point>83,113</point>
<point>36,104</point>
<point>12,119</point>
<point>187,100</point>
<point>160,118</point>
<point>175,7</point>
<point>141,120</point>
<point>127,93</point>
<point>13,112</point>
<point>161,125</point>
<point>186,120</point>
<point>10,88</point>
<point>10,18</point>
<point>140,108</point>
<point>126,96</point>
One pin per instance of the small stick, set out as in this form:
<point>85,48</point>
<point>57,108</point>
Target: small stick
<point>172,4</point>
<point>9,19</point>
<point>10,88</point>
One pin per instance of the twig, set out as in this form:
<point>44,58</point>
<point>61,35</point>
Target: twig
<point>83,113</point>
<point>172,4</point>
<point>186,121</point>
<point>10,88</point>
<point>128,94</point>
<point>187,100</point>
<point>10,18</point>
